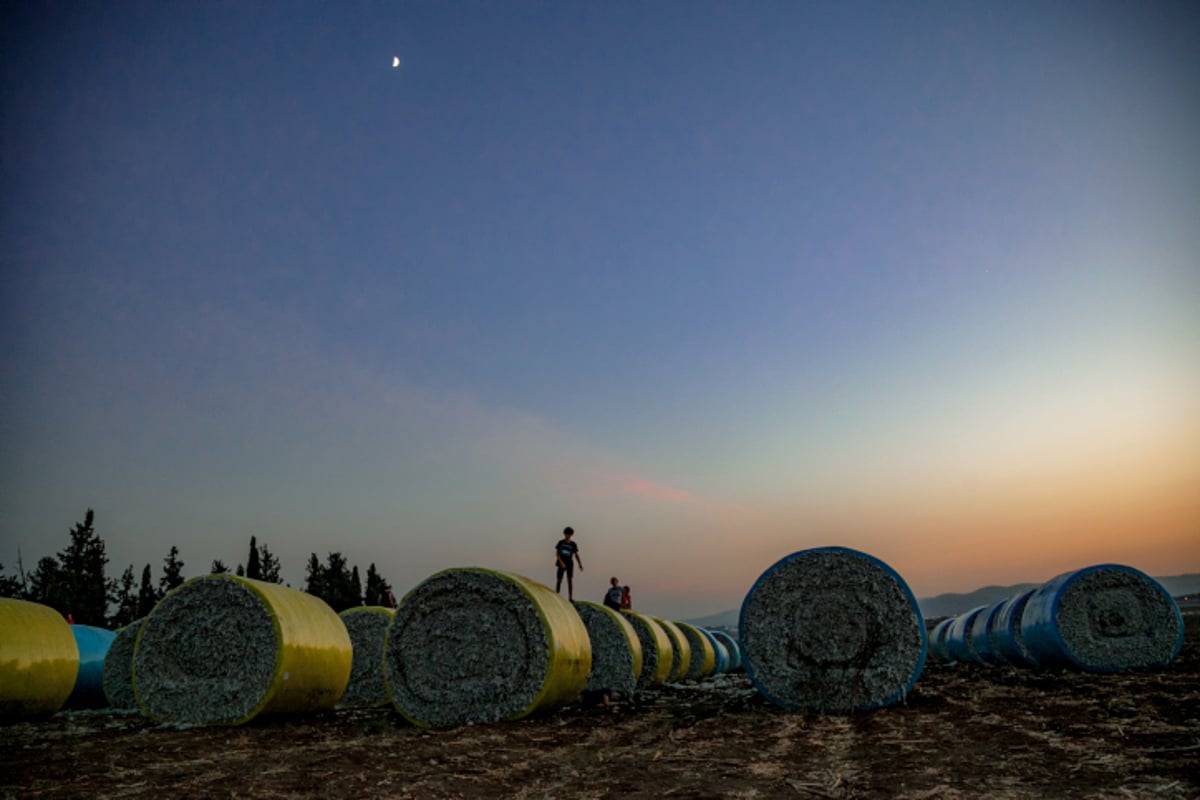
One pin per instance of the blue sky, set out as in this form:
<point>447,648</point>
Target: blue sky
<point>710,282</point>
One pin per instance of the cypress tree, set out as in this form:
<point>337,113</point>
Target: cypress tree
<point>254,563</point>
<point>356,590</point>
<point>377,588</point>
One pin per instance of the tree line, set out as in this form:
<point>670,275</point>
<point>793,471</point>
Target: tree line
<point>75,582</point>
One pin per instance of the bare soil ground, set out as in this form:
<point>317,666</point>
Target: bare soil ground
<point>964,732</point>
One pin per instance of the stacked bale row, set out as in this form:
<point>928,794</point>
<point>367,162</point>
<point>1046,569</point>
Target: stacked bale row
<point>1104,618</point>
<point>468,645</point>
<point>832,629</point>
<point>616,650</point>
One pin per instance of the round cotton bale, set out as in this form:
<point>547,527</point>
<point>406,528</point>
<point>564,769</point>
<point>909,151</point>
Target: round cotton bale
<point>958,636</point>
<point>937,641</point>
<point>118,668</point>
<point>616,649</point>
<point>1104,618</point>
<point>39,660</point>
<point>367,626</point>
<point>981,636</point>
<point>222,649</point>
<point>720,651</point>
<point>832,629</point>
<point>93,644</point>
<point>703,661</point>
<point>681,651</point>
<point>656,649</point>
<point>1005,633</point>
<point>475,645</point>
<point>732,649</point>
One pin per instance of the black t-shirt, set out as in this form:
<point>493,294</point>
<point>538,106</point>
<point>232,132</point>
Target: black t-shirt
<point>566,551</point>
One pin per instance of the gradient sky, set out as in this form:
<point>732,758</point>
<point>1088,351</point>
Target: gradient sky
<point>712,283</point>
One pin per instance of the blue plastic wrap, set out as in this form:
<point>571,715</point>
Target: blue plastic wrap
<point>93,646</point>
<point>1104,618</point>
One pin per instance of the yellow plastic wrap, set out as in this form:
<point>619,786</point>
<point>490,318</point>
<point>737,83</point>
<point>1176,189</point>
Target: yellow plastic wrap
<point>662,647</point>
<point>708,664</point>
<point>570,648</point>
<point>635,644</point>
<point>39,660</point>
<point>315,652</point>
<point>681,647</point>
<point>308,653</point>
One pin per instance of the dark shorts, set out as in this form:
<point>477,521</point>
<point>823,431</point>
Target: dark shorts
<point>569,569</point>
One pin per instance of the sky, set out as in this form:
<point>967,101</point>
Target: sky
<point>710,282</point>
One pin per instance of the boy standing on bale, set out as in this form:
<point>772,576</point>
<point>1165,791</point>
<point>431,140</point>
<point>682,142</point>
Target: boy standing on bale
<point>564,551</point>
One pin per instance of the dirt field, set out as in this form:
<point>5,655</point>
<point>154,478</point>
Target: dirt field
<point>965,732</point>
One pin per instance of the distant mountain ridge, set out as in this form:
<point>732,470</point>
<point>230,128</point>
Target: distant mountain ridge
<point>943,605</point>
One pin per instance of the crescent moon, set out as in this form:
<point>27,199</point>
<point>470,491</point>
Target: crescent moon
<point>395,61</point>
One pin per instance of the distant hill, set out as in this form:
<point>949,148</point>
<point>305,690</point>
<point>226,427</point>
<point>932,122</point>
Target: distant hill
<point>943,605</point>
<point>723,619</point>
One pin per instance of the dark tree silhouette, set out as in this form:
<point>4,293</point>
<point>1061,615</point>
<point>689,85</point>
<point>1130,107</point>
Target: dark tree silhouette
<point>218,567</point>
<point>254,562</point>
<point>9,586</point>
<point>356,591</point>
<point>334,582</point>
<point>270,566</point>
<point>376,591</point>
<point>47,585</point>
<point>147,596</point>
<point>82,569</point>
<point>124,599</point>
<point>314,576</point>
<point>172,572</point>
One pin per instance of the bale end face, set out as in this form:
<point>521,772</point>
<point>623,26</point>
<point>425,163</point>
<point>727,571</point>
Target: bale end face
<point>118,668</point>
<point>220,649</point>
<point>475,645</point>
<point>832,629</point>
<point>367,627</point>
<point>616,649</point>
<point>1106,618</point>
